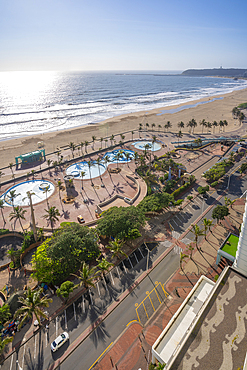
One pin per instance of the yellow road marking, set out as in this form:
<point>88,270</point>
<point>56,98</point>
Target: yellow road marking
<point>157,295</point>
<point>100,356</point>
<point>145,309</point>
<point>131,322</point>
<point>151,303</point>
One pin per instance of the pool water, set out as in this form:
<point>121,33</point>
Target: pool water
<point>35,187</point>
<point>97,170</point>
<point>152,146</point>
<point>76,169</point>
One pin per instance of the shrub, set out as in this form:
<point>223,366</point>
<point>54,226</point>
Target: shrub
<point>214,184</point>
<point>4,231</point>
<point>189,197</point>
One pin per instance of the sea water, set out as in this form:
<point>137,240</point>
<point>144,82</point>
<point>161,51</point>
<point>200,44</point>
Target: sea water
<point>39,102</point>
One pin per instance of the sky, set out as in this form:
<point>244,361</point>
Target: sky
<point>87,35</point>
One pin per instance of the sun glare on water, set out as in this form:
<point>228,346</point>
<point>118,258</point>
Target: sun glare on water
<point>26,87</point>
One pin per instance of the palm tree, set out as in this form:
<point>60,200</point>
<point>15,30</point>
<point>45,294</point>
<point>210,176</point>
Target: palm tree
<point>181,124</point>
<point>221,124</point>
<point>106,142</point>
<point>215,124</point>
<point>168,125</point>
<point>52,215</point>
<point>11,165</point>
<point>159,126</point>
<point>2,207</point>
<point>190,125</point>
<point>153,125</point>
<point>86,144</point>
<point>98,161</point>
<point>82,145</point>
<point>118,156</point>
<point>72,148</point>
<point>122,137</point>
<point>128,158</point>
<point>194,124</point>
<point>147,125</point>
<point>4,342</point>
<point>101,141</point>
<point>18,214</point>
<point>179,135</point>
<point>83,173</point>
<point>59,186</point>
<point>111,139</point>
<point>197,232</point>
<point>49,163</point>
<point>116,248</point>
<point>11,196</point>
<point>1,174</point>
<point>206,224</point>
<point>241,117</point>
<point>209,125</point>
<point>132,134</point>
<point>104,266</point>
<point>203,123</point>
<point>32,305</point>
<point>90,163</point>
<point>93,138</point>
<point>225,124</point>
<point>87,275</point>
<point>46,191</point>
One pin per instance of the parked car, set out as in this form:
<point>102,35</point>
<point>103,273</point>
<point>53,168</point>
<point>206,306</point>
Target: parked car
<point>59,341</point>
<point>80,219</point>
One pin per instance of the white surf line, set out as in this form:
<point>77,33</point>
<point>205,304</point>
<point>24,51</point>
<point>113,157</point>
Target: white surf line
<point>74,311</point>
<point>65,316</point>
<point>98,288</point>
<point>35,338</point>
<point>23,354</point>
<point>118,273</point>
<point>11,363</point>
<point>112,278</point>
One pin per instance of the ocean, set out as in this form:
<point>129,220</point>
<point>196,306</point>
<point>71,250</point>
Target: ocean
<point>39,102</point>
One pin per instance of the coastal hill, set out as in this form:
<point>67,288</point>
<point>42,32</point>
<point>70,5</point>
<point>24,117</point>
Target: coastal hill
<point>221,72</point>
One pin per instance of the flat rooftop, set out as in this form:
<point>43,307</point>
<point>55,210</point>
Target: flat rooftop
<point>218,340</point>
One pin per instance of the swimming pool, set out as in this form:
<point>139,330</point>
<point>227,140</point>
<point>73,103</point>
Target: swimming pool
<point>152,146</point>
<point>97,170</point>
<point>76,169</point>
<point>36,187</point>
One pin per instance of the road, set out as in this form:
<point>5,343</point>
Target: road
<point>36,354</point>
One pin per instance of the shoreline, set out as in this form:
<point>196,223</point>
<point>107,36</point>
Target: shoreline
<point>212,108</point>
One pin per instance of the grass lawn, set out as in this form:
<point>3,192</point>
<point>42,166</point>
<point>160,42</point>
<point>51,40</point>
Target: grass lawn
<point>232,248</point>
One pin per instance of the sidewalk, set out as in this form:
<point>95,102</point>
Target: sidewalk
<point>132,350</point>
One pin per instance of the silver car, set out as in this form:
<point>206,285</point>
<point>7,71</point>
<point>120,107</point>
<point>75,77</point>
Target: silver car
<point>59,341</point>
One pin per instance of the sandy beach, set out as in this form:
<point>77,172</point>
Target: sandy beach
<point>219,109</point>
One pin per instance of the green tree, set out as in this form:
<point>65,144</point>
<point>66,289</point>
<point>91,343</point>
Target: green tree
<point>32,304</point>
<point>65,289</point>
<point>14,256</point>
<point>11,165</point>
<point>11,196</point>
<point>203,189</point>
<point>111,139</point>
<point>206,224</point>
<point>93,138</point>
<point>4,342</point>
<point>90,164</point>
<point>115,247</point>
<point>121,222</point>
<point>220,212</point>
<point>83,174</point>
<point>87,276</point>
<point>156,202</point>
<point>72,148</point>
<point>86,145</point>
<point>5,314</point>
<point>180,125</point>
<point>104,266</point>
<point>64,252</point>
<point>18,214</point>
<point>203,123</point>
<point>215,124</point>
<point>52,215</point>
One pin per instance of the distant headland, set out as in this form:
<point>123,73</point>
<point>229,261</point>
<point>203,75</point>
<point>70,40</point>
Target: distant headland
<point>221,72</point>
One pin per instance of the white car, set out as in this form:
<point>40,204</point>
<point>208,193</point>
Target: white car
<point>59,341</point>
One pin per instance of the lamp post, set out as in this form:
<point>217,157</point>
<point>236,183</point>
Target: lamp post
<point>20,368</point>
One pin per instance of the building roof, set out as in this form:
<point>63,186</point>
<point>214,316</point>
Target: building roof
<point>218,339</point>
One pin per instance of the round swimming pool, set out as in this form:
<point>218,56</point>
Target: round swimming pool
<point>36,187</point>
<point>152,146</point>
<point>76,169</point>
<point>119,156</point>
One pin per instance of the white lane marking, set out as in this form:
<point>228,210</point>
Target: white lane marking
<point>35,338</point>
<point>56,325</point>
<point>11,363</point>
<point>136,257</point>
<point>174,221</point>
<point>74,311</point>
<point>98,288</point>
<point>83,303</point>
<point>65,316</point>
<point>112,278</point>
<point>141,252</point>
<point>23,355</point>
<point>118,273</point>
